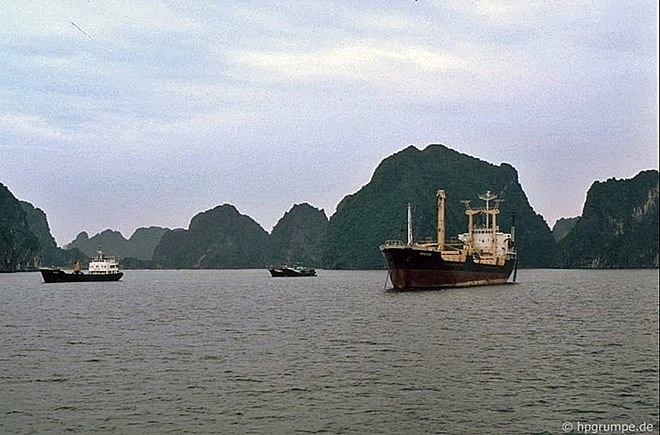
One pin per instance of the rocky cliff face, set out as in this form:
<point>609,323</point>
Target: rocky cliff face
<point>49,253</point>
<point>19,247</point>
<point>618,227</point>
<point>220,238</point>
<point>378,211</point>
<point>300,236</point>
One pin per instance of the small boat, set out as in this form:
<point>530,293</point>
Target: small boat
<point>481,256</point>
<point>101,268</point>
<point>291,271</point>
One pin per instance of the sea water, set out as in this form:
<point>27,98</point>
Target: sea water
<point>236,351</point>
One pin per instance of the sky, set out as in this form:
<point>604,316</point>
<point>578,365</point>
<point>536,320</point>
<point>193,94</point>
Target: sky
<point>127,114</point>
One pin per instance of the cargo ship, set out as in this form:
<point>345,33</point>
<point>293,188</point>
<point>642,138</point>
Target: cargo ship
<point>101,268</point>
<point>481,256</point>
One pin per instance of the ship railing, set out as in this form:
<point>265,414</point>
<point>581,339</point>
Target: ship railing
<point>394,242</point>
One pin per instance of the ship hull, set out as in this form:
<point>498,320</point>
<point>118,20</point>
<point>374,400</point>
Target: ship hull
<point>58,275</point>
<point>411,268</point>
<point>291,272</point>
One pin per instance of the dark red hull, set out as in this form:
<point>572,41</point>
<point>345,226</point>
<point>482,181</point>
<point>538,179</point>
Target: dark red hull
<point>411,268</point>
<point>58,275</point>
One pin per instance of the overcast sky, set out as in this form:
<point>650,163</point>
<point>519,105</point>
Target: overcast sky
<point>127,114</point>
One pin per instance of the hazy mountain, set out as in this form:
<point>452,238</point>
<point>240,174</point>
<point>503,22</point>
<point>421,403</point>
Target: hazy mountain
<point>143,242</point>
<point>563,226</point>
<point>220,238</point>
<point>618,227</point>
<point>140,246</point>
<point>299,236</point>
<point>378,211</point>
<point>110,241</point>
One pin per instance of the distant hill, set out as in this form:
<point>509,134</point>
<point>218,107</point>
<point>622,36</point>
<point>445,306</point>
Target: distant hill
<point>220,238</point>
<point>143,242</point>
<point>378,211</point>
<point>618,227</point>
<point>563,226</point>
<point>140,246</point>
<point>299,236</point>
<point>110,241</point>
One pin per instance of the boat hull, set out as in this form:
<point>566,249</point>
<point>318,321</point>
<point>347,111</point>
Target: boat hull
<point>58,275</point>
<point>411,268</point>
<point>291,272</point>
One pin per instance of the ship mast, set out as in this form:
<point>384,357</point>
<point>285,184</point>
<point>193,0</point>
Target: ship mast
<point>470,213</point>
<point>410,232</point>
<point>440,197</point>
<point>488,197</point>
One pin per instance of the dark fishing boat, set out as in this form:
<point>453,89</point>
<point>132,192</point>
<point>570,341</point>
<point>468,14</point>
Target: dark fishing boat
<point>291,271</point>
<point>481,256</point>
<point>101,268</point>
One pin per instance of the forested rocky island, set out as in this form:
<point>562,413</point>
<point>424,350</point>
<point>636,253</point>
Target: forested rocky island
<point>617,229</point>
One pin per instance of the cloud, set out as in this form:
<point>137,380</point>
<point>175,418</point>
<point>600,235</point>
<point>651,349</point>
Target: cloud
<point>366,61</point>
<point>33,129</point>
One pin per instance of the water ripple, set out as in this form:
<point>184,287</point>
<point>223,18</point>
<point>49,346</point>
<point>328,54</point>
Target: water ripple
<point>239,352</point>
